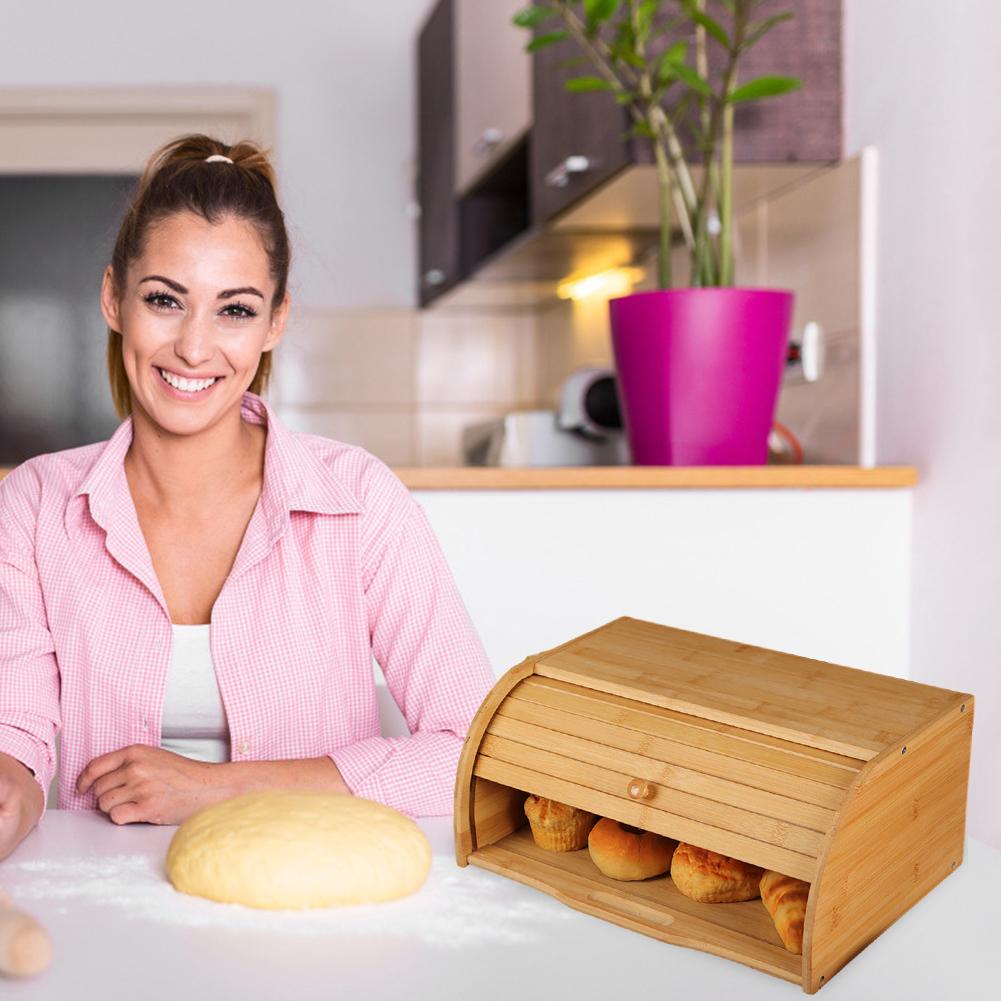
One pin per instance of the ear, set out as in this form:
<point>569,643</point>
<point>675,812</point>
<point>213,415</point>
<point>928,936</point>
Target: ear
<point>109,301</point>
<point>279,316</point>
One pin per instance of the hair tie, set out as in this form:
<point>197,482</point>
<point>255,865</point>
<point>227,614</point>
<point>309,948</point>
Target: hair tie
<point>218,157</point>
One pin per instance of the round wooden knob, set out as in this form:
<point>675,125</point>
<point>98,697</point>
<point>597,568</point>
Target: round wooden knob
<point>639,789</point>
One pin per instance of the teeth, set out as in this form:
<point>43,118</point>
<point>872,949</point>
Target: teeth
<point>185,385</point>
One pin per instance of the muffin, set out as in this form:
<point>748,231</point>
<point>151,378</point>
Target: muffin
<point>556,826</point>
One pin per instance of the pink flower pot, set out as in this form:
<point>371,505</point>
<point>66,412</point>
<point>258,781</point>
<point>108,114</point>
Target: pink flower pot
<point>699,371</point>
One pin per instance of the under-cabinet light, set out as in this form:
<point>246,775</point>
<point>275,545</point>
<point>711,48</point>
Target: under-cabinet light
<point>603,284</point>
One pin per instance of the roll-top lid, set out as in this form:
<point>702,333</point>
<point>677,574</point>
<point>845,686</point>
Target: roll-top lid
<point>840,709</point>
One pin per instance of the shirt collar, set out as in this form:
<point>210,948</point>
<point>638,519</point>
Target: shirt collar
<point>295,477</point>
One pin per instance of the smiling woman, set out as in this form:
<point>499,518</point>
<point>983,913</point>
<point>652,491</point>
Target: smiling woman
<point>197,601</point>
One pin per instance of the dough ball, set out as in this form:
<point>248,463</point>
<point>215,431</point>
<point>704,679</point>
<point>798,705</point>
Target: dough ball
<point>287,850</point>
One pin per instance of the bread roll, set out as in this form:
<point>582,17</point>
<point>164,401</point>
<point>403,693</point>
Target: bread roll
<point>624,852</point>
<point>556,826</point>
<point>786,897</point>
<point>712,878</point>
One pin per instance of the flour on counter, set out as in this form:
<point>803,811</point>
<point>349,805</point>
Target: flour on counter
<point>455,908</point>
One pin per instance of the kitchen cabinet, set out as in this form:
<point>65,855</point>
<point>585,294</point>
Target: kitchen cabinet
<point>458,231</point>
<point>493,87</point>
<point>580,141</point>
<point>438,242</point>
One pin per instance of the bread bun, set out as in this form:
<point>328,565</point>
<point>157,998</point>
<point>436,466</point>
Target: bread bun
<point>712,878</point>
<point>625,852</point>
<point>786,897</point>
<point>556,826</point>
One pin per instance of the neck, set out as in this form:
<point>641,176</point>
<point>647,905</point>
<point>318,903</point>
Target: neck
<point>185,474</point>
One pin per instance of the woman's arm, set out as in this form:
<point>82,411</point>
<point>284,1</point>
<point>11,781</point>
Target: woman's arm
<point>142,784</point>
<point>29,674</point>
<point>20,803</point>
<point>435,669</point>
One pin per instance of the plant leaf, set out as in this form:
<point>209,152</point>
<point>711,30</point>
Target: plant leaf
<point>760,28</point>
<point>582,84</point>
<point>692,79</point>
<point>624,53</point>
<point>642,129</point>
<point>712,27</point>
<point>600,10</point>
<point>529,17</point>
<point>541,41</point>
<point>764,86</point>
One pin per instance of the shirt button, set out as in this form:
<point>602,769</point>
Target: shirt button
<point>145,724</point>
<point>244,748</point>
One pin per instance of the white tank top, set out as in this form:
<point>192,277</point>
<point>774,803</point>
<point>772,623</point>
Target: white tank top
<point>194,719</point>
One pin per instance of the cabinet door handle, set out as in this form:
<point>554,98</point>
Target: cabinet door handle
<point>434,276</point>
<point>559,176</point>
<point>488,141</point>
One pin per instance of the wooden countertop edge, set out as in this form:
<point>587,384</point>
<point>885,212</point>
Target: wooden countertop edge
<point>657,477</point>
<point>652,477</point>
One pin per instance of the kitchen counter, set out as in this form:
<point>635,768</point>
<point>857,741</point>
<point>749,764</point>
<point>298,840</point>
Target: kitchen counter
<point>650,477</point>
<point>121,931</point>
<point>656,477</point>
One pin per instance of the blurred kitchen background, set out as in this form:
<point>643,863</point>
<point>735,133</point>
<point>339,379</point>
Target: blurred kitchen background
<point>889,244</point>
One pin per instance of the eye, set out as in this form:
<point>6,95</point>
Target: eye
<point>158,299</point>
<point>244,311</point>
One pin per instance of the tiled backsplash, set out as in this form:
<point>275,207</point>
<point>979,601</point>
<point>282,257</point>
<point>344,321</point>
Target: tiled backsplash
<point>404,383</point>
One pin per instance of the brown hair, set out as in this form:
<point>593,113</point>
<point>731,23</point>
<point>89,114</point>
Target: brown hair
<point>177,179</point>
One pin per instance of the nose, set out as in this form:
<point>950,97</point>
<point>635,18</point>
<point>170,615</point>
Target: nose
<point>195,344</point>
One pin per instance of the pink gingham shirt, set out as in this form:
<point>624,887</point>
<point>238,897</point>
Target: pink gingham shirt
<point>337,563</point>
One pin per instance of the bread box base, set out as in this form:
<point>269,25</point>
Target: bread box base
<point>853,781</point>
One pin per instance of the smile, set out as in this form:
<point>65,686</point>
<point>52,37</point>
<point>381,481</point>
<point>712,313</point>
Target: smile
<point>187,387</point>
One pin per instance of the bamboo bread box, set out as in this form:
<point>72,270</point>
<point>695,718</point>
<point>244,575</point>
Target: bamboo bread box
<point>852,781</point>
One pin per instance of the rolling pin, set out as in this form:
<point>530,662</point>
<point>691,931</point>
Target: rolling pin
<point>25,946</point>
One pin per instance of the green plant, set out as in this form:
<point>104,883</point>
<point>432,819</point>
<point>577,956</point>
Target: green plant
<point>652,55</point>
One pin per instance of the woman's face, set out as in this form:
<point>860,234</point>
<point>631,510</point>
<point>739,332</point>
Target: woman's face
<point>195,306</point>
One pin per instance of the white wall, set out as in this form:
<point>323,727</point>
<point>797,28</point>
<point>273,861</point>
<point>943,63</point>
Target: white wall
<point>820,573</point>
<point>344,75</point>
<point>922,81</point>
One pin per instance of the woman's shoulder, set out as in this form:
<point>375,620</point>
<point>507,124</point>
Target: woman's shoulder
<point>370,482</point>
<point>61,471</point>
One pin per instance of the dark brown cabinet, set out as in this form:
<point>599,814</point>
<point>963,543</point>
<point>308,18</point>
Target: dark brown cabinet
<point>582,140</point>
<point>438,254</point>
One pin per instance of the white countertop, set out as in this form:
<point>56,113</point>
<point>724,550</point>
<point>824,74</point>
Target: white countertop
<point>121,931</point>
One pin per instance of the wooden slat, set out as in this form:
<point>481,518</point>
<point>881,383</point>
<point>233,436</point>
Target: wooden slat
<point>783,755</point>
<point>681,804</point>
<point>847,683</point>
<point>741,932</point>
<point>685,695</point>
<point>684,780</point>
<point>648,819</point>
<point>674,752</point>
<point>850,712</point>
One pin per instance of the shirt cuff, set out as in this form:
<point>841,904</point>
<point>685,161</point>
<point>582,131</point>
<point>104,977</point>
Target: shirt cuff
<point>26,750</point>
<point>359,765</point>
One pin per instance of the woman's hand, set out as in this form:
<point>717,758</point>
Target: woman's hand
<point>20,803</point>
<point>142,784</point>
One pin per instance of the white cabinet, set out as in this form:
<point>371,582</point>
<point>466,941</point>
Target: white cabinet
<point>492,86</point>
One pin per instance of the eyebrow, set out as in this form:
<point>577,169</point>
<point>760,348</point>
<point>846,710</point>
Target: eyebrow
<point>225,294</point>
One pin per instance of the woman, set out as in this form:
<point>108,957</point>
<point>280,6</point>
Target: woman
<point>196,602</point>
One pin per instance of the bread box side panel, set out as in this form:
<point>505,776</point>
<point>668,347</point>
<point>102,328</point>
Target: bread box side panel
<point>464,817</point>
<point>899,834</point>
